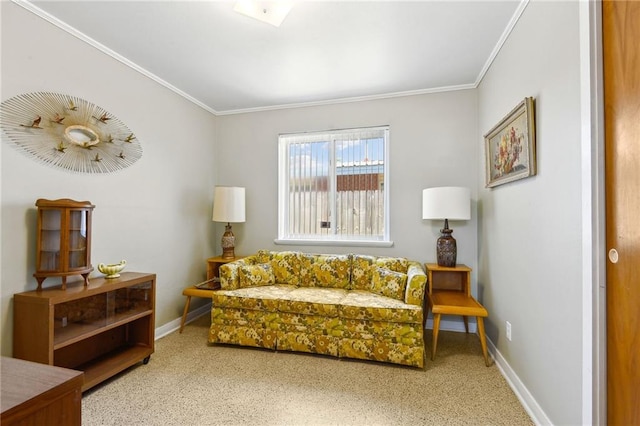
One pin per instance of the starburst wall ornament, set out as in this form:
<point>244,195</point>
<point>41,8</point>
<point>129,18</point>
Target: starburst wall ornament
<point>68,132</point>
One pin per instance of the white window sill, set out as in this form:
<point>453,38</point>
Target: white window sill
<point>340,243</point>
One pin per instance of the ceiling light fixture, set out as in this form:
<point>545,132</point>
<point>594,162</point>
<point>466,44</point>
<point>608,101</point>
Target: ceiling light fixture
<point>271,12</point>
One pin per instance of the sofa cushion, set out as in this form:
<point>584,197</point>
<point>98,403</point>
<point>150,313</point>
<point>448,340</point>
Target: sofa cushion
<point>263,256</point>
<point>264,298</point>
<point>286,267</point>
<point>332,271</point>
<point>364,305</point>
<point>313,301</point>
<point>361,271</point>
<point>397,264</point>
<point>256,275</point>
<point>386,282</point>
<point>229,279</point>
<point>305,278</point>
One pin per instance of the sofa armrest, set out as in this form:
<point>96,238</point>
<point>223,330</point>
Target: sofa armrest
<point>229,275</point>
<point>416,283</point>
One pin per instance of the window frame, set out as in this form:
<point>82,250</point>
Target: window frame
<point>283,192</point>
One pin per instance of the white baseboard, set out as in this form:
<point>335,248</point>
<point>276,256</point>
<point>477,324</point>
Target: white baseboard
<point>527,400</point>
<point>452,325</point>
<point>174,325</point>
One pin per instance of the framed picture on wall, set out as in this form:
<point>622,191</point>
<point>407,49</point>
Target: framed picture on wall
<point>510,146</point>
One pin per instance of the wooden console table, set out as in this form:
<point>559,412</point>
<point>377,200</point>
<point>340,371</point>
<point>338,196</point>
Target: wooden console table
<point>39,394</point>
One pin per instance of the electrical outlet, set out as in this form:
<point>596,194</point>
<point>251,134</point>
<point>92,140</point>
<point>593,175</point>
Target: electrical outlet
<point>508,332</point>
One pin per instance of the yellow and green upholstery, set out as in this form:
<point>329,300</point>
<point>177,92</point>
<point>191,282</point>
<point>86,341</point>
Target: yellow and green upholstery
<point>352,306</point>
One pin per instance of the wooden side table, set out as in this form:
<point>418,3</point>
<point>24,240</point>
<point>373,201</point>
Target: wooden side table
<point>204,288</point>
<point>449,293</point>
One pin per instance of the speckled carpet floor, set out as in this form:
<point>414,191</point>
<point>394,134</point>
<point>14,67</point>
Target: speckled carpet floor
<point>188,382</point>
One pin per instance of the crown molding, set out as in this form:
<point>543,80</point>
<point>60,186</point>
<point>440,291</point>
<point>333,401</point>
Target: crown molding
<point>503,39</point>
<point>349,100</point>
<point>83,37</point>
<point>104,49</point>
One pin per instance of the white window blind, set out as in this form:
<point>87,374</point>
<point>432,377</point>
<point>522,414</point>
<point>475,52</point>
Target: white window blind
<point>332,185</point>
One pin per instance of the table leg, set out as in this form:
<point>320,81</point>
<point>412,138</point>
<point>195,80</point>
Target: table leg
<point>436,328</point>
<point>483,340</point>
<point>184,314</point>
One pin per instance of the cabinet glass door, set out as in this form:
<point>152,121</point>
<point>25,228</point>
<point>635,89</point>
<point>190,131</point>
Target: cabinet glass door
<point>77,239</point>
<point>64,240</point>
<point>50,238</point>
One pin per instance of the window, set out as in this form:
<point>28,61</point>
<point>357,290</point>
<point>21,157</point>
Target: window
<point>333,187</point>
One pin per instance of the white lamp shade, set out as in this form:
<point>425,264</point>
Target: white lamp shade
<point>447,202</point>
<point>228,204</point>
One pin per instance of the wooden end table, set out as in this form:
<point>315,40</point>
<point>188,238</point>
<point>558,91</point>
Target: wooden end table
<point>204,288</point>
<point>449,293</point>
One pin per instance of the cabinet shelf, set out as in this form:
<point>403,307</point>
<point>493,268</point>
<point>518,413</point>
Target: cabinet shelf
<point>73,333</point>
<point>112,363</point>
<point>102,328</point>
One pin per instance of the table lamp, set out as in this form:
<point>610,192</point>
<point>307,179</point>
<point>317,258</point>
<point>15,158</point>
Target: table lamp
<point>448,202</point>
<point>228,206</point>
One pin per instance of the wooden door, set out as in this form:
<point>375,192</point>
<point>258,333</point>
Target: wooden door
<point>621,49</point>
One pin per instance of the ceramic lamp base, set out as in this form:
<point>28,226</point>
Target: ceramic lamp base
<point>446,249</point>
<point>228,243</point>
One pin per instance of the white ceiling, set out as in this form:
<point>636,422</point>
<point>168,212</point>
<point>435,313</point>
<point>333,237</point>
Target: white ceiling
<point>323,51</point>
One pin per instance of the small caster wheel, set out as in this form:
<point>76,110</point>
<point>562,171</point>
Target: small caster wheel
<point>146,360</point>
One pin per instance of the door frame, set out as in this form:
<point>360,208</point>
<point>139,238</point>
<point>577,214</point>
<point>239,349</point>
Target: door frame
<point>594,336</point>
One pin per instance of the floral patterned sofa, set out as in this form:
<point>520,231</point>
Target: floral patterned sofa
<point>350,305</point>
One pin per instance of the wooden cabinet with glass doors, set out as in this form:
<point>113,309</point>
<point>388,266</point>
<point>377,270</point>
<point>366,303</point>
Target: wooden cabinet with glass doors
<point>102,328</point>
<point>63,240</point>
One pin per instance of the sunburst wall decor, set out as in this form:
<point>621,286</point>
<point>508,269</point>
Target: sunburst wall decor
<point>68,132</point>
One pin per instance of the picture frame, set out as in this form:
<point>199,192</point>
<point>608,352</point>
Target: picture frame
<point>510,146</point>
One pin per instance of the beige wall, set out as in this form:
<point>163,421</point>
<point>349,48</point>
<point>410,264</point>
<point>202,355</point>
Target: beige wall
<point>432,143</point>
<point>156,214</point>
<point>523,240</point>
<point>529,231</point>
